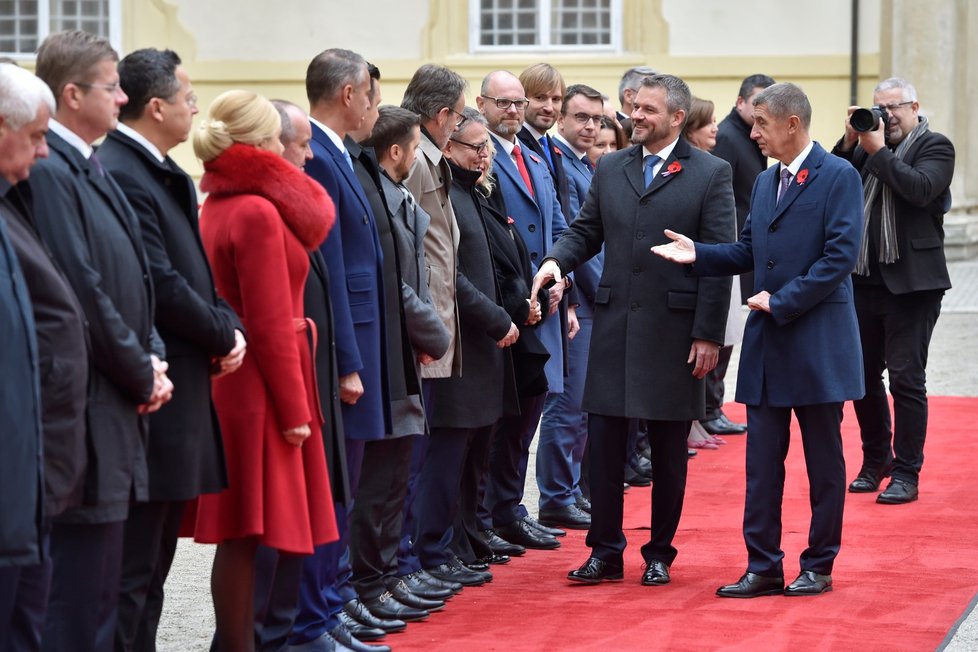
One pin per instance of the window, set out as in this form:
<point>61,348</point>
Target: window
<point>545,25</point>
<point>25,23</point>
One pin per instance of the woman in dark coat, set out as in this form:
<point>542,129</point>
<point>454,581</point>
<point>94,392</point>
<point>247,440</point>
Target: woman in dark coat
<point>261,218</point>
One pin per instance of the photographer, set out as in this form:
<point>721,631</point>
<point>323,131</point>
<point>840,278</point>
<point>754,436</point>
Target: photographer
<point>900,278</point>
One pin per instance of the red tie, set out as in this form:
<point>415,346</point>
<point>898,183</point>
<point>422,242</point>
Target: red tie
<point>521,166</point>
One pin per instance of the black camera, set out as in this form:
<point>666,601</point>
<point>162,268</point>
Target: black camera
<point>869,119</point>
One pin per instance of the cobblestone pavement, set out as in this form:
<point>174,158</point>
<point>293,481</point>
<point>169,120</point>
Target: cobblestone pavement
<point>188,618</point>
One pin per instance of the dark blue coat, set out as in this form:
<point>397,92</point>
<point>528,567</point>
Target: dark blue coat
<point>21,488</point>
<point>355,262</point>
<point>802,251</point>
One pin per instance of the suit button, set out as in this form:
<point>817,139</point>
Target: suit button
<point>639,235</point>
<point>533,256</point>
<point>774,227</point>
<point>644,201</point>
<point>635,306</point>
<point>531,228</point>
<point>636,270</point>
<point>770,264</point>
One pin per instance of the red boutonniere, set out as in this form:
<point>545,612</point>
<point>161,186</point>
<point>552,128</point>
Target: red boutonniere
<point>510,220</point>
<point>802,176</point>
<point>673,168</point>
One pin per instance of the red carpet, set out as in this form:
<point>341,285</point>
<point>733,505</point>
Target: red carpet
<point>906,573</point>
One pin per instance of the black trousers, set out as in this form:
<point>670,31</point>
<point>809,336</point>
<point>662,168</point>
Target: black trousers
<point>378,513</point>
<point>508,459</point>
<point>149,544</point>
<point>895,331</point>
<point>467,540</point>
<point>23,603</point>
<point>607,448</point>
<point>714,384</point>
<point>767,448</point>
<point>82,609</point>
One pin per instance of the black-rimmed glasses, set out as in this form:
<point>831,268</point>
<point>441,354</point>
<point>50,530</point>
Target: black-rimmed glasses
<point>505,102</point>
<point>479,148</point>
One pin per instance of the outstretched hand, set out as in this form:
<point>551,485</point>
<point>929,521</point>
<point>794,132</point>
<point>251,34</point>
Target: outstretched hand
<point>680,250</point>
<point>549,270</point>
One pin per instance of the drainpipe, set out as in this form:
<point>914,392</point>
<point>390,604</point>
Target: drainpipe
<point>854,57</point>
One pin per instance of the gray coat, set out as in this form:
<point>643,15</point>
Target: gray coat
<point>425,330</point>
<point>648,311</point>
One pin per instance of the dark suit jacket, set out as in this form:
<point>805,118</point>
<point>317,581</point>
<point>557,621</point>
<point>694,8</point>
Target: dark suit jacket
<point>319,308</point>
<point>586,276</point>
<point>91,230</point>
<point>196,325</point>
<point>648,311</point>
<point>485,391</point>
<point>806,351</point>
<point>735,146</point>
<point>63,358</point>
<point>353,255</point>
<point>559,176</point>
<point>21,482</point>
<point>921,193</point>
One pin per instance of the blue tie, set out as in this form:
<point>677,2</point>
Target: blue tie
<point>545,146</point>
<point>349,161</point>
<point>650,162</point>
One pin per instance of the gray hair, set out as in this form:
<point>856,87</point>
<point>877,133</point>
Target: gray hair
<point>909,92</point>
<point>288,129</point>
<point>431,89</point>
<point>21,95</point>
<point>632,79</point>
<point>473,115</point>
<point>331,70</point>
<point>678,95</point>
<point>785,100</point>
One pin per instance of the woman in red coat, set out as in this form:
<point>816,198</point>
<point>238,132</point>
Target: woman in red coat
<point>261,217</point>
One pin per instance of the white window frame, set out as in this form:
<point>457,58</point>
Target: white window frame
<point>44,28</point>
<point>544,12</point>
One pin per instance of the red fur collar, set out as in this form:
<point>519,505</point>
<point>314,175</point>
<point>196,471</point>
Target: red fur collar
<point>303,204</point>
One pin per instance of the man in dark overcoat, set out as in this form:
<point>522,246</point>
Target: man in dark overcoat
<point>657,330</point>
<point>185,456</point>
<point>84,218</point>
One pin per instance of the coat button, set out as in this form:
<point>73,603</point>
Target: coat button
<point>533,256</point>
<point>770,264</point>
<point>644,201</point>
<point>635,306</point>
<point>531,228</point>
<point>636,270</point>
<point>639,235</point>
<point>774,227</point>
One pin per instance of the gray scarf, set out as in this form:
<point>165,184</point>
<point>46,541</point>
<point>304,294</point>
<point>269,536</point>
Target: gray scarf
<point>889,252</point>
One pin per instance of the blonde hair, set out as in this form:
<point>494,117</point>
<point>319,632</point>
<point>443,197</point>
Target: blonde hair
<point>235,117</point>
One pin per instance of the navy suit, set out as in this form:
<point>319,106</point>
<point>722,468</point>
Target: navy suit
<point>563,429</point>
<point>803,356</point>
<point>355,261</point>
<point>539,220</point>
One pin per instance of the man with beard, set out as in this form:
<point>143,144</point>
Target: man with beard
<point>657,330</point>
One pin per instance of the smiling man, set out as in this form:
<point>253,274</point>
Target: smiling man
<point>657,330</point>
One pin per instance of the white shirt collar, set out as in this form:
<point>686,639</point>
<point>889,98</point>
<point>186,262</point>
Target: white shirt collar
<point>71,138</point>
<point>578,153</point>
<point>507,145</point>
<point>533,132</point>
<point>796,164</point>
<point>142,140</point>
<point>663,154</point>
<point>333,136</point>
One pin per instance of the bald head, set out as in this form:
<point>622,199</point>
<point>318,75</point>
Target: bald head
<point>503,103</point>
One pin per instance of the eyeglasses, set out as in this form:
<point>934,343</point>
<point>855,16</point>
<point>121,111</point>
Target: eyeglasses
<point>584,118</point>
<point>505,102</point>
<point>461,118</point>
<point>480,148</point>
<point>894,107</point>
<point>112,88</point>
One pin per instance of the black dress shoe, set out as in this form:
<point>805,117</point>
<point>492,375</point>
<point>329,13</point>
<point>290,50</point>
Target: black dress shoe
<point>898,492</point>
<point>583,504</point>
<point>501,546</point>
<point>636,479</point>
<point>464,576</point>
<point>403,595</point>
<point>656,573</point>
<point>569,516</point>
<point>359,630</point>
<point>344,637</point>
<point>428,578</point>
<point>690,452</point>
<point>719,427</point>
<point>478,565</point>
<point>360,613</point>
<point>595,570</point>
<point>809,583</point>
<point>752,585</point>
<point>386,606</point>
<point>483,563</point>
<point>424,589</point>
<point>869,478</point>
<point>546,529</point>
<point>740,427</point>
<point>520,533</point>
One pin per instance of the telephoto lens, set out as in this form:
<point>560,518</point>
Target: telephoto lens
<point>868,119</point>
